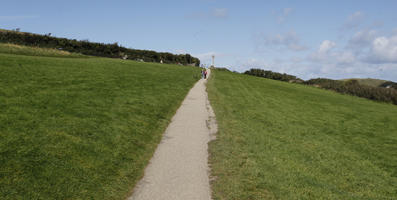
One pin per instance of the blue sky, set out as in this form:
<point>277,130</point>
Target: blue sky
<point>310,39</point>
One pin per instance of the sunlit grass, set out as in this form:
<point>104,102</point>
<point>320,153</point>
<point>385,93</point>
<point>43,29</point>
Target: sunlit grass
<point>279,140</point>
<point>82,128</point>
<point>36,51</point>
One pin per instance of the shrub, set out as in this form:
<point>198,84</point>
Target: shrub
<point>389,84</point>
<point>273,75</point>
<point>352,87</point>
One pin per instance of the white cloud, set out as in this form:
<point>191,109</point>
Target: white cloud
<point>326,46</point>
<point>384,50</point>
<point>364,55</point>
<point>323,53</point>
<point>289,41</point>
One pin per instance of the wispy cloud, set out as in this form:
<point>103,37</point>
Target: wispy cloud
<point>362,39</point>
<point>17,17</point>
<point>282,16</point>
<point>220,13</point>
<point>289,40</point>
<point>216,13</point>
<point>326,46</point>
<point>353,21</point>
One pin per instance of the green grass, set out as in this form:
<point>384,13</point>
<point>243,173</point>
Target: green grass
<point>279,140</point>
<point>82,128</point>
<point>7,48</point>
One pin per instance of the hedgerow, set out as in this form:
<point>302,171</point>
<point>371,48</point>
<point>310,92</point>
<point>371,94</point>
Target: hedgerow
<point>94,48</point>
<point>351,87</point>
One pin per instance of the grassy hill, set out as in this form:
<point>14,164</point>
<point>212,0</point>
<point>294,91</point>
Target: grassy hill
<point>113,50</point>
<point>6,48</point>
<point>77,127</point>
<point>278,140</point>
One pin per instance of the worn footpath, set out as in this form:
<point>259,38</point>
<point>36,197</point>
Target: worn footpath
<point>179,167</point>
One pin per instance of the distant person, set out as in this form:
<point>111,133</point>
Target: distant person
<point>205,74</point>
<point>202,73</point>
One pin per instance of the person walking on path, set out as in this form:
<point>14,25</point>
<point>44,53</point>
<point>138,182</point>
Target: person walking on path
<point>205,74</point>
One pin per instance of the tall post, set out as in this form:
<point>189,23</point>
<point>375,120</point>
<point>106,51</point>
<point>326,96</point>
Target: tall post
<point>213,61</point>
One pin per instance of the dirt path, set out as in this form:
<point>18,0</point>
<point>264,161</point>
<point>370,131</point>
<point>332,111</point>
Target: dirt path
<point>179,167</point>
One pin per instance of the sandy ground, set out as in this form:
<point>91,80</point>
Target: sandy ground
<point>179,167</point>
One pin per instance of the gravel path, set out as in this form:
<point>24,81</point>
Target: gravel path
<point>179,167</point>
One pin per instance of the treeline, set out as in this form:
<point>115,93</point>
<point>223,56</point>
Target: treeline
<point>94,49</point>
<point>389,84</point>
<point>351,87</point>
<point>273,75</point>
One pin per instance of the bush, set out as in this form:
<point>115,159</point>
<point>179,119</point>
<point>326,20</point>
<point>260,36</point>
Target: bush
<point>352,87</point>
<point>389,84</point>
<point>273,75</point>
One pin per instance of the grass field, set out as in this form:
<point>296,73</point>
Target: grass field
<point>82,128</point>
<point>279,140</point>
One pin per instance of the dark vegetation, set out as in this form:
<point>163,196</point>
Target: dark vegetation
<point>389,84</point>
<point>93,48</point>
<point>367,81</point>
<point>273,75</point>
<point>351,87</point>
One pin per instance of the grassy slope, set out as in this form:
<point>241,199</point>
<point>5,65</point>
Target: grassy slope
<point>36,51</point>
<point>289,141</point>
<point>82,128</point>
